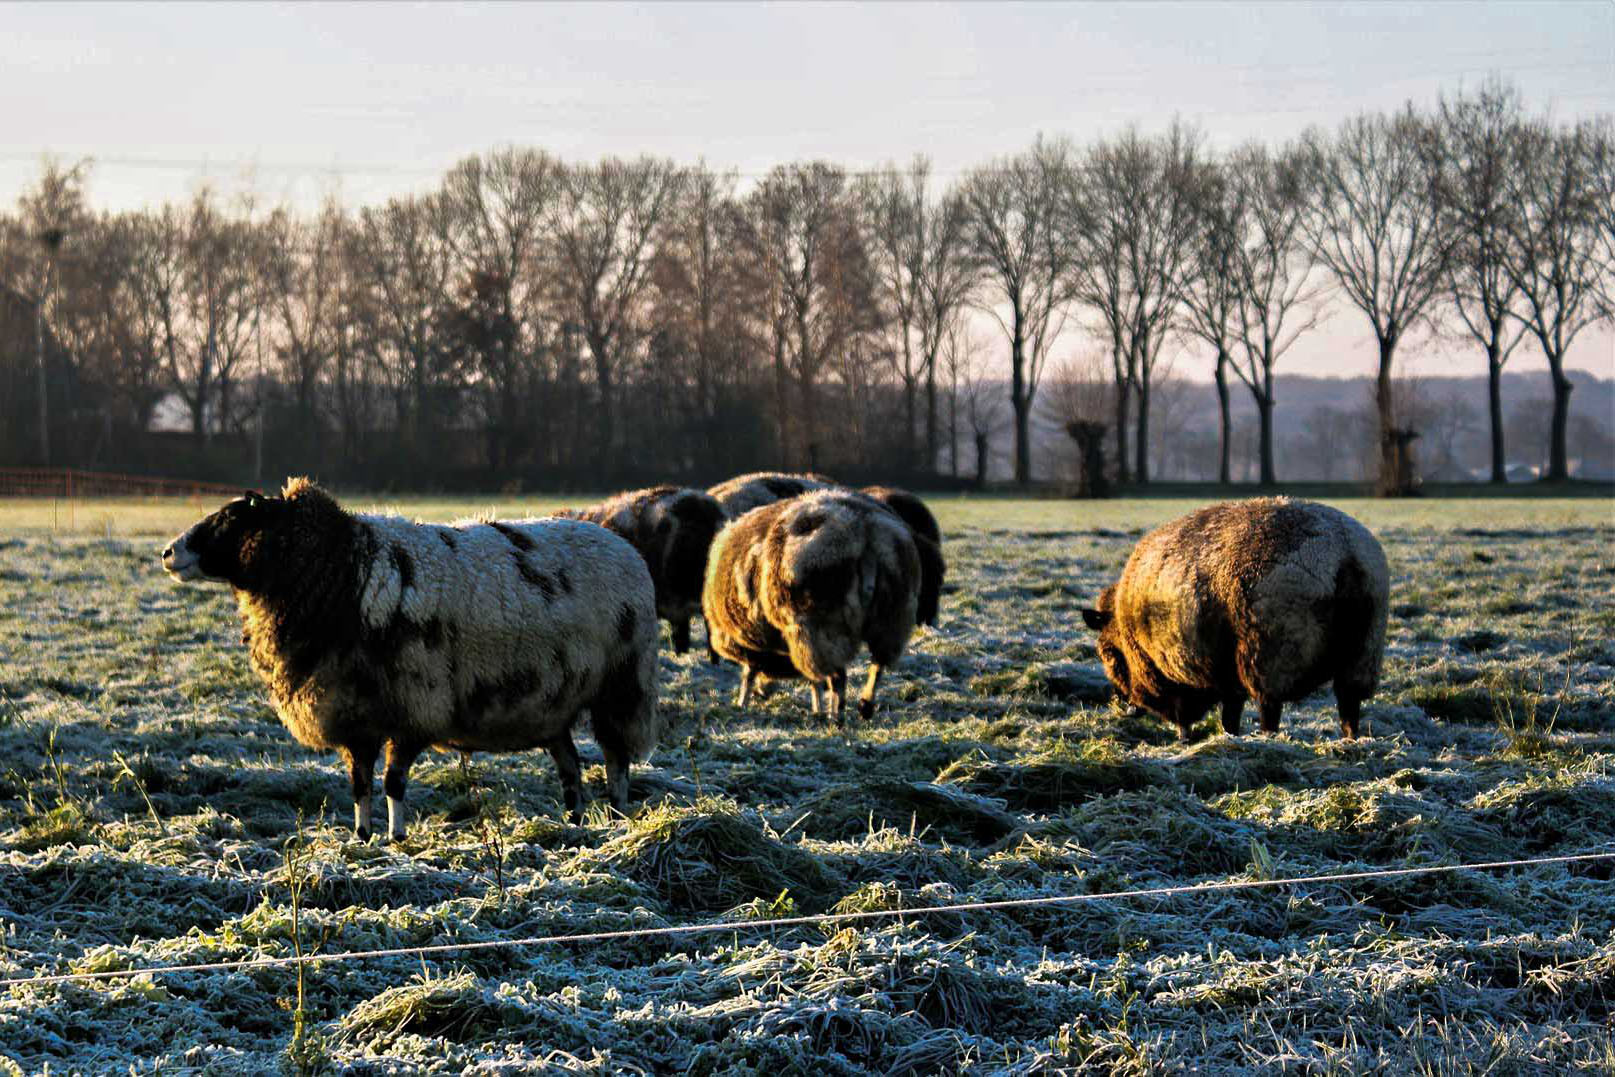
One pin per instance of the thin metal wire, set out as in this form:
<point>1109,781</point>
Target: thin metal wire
<point>791,921</point>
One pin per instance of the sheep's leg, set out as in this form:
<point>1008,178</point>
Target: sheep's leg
<point>681,635</point>
<point>747,675</point>
<point>1232,708</point>
<point>565,754</point>
<point>813,686</point>
<point>362,776</point>
<point>866,698</point>
<point>400,757</point>
<point>1270,715</point>
<point>616,779</point>
<point>1351,708</point>
<point>838,694</point>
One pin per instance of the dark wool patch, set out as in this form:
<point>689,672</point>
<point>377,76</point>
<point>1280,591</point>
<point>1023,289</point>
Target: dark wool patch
<point>533,576</point>
<point>405,565</point>
<point>784,488</point>
<point>563,581</point>
<point>447,537</point>
<point>807,523</point>
<point>626,622</point>
<point>517,538</point>
<point>502,693</point>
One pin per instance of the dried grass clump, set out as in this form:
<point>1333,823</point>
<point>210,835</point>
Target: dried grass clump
<point>454,1007</point>
<point>1226,764</point>
<point>1155,830</point>
<point>710,855</point>
<point>1571,810</point>
<point>1057,777</point>
<point>946,812</point>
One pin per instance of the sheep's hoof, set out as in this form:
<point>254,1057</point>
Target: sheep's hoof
<point>866,709</point>
<point>362,835</point>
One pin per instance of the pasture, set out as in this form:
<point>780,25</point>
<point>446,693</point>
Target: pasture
<point>153,811</point>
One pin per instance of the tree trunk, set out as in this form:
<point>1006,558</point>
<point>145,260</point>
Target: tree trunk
<point>1494,396</point>
<point>1141,469</point>
<point>981,460</point>
<point>930,417</point>
<point>1395,465</point>
<point>1123,399</point>
<point>1123,388</point>
<point>1558,454</point>
<point>1017,396</point>
<point>910,413</point>
<point>1264,405</point>
<point>1225,428</point>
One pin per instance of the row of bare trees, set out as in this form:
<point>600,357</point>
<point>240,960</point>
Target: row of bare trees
<point>537,318</point>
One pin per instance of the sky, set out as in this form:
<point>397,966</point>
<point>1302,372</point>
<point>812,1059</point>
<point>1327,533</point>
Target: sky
<point>297,101</point>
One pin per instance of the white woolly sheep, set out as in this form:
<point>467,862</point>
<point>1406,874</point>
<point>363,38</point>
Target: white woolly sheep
<point>796,587</point>
<point>375,633</point>
<point>1267,599</point>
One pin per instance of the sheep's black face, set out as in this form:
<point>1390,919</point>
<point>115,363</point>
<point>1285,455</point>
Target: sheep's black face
<point>227,545</point>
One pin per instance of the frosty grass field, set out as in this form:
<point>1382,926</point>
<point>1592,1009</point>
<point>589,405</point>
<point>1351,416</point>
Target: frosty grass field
<point>153,811</point>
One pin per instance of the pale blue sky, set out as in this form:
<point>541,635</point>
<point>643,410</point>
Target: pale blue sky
<point>383,98</point>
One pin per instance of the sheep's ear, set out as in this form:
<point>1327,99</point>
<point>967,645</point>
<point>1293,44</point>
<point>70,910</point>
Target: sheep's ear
<point>1095,619</point>
<point>253,498</point>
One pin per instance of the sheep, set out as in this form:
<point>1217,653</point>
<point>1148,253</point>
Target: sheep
<point>795,587</point>
<point>927,539</point>
<point>1266,599</point>
<point>672,528</point>
<point>375,633</point>
<point>743,493</point>
<point>746,492</point>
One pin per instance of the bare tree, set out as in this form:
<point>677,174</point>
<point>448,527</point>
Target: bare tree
<point>1081,399</point>
<point>1212,297</point>
<point>1276,294</point>
<point>1373,222</point>
<point>1478,133</point>
<point>802,230</point>
<point>302,277</point>
<point>1016,235</point>
<point>1153,187</point>
<point>918,248</point>
<point>605,232</point>
<point>47,213</point>
<point>958,351</point>
<point>981,401</point>
<point>496,209</point>
<point>405,267</point>
<point>1554,256</point>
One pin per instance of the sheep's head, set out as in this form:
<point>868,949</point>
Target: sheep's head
<point>230,545</point>
<point>1102,619</point>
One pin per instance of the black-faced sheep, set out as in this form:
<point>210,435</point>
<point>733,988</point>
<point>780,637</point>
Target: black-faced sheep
<point>672,528</point>
<point>743,493</point>
<point>374,633</point>
<point>1267,599</point>
<point>796,587</point>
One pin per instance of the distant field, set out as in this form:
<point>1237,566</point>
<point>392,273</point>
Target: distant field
<point>161,517</point>
<point>150,805</point>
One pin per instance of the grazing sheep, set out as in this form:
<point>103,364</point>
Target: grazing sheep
<point>1266,599</point>
<point>927,539</point>
<point>374,633</point>
<point>740,495</point>
<point>743,493</point>
<point>672,528</point>
<point>794,588</point>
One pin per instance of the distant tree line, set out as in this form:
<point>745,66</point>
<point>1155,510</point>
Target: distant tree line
<point>540,322</point>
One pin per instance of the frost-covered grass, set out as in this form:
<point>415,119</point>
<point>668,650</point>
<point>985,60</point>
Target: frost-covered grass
<point>150,809</point>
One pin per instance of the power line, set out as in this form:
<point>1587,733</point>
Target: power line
<point>790,921</point>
